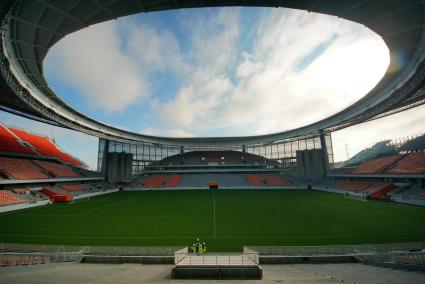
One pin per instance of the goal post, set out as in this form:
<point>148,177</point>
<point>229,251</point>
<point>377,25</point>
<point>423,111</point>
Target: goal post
<point>359,195</point>
<point>80,200</point>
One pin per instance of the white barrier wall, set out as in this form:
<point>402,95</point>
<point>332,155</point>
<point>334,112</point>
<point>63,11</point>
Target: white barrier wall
<point>45,202</point>
<point>23,206</point>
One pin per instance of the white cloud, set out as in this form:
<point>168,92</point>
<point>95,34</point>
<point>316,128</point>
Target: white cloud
<point>93,62</point>
<point>153,49</point>
<point>247,67</point>
<point>196,103</point>
<point>214,40</point>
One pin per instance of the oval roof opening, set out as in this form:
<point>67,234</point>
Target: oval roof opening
<point>216,71</point>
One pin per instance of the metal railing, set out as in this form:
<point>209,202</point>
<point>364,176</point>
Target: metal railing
<point>247,258</point>
<point>92,250</point>
<point>413,258</point>
<point>337,249</point>
<point>29,258</point>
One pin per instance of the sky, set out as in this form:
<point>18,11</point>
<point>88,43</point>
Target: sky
<point>219,72</point>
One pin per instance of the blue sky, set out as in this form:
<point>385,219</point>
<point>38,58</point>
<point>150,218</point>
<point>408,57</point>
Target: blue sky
<point>215,72</point>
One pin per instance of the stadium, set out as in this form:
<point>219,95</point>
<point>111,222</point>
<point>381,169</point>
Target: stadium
<point>275,207</point>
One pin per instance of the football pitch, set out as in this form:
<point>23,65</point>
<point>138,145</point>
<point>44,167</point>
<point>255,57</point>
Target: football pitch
<point>225,219</point>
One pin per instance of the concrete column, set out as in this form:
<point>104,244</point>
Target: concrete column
<point>104,169</point>
<point>325,150</point>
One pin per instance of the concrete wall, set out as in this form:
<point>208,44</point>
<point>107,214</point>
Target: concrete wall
<point>312,164</point>
<point>118,166</point>
<point>224,180</point>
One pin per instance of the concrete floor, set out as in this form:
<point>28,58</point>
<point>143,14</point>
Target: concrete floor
<point>64,273</point>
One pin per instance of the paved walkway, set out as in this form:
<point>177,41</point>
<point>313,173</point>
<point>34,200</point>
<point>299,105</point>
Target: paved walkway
<point>65,273</point>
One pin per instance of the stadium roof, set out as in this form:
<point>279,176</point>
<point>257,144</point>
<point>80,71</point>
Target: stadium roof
<point>31,27</point>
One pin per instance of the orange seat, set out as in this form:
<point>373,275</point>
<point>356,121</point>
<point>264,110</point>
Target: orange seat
<point>56,196</point>
<point>376,165</point>
<point>45,146</point>
<point>21,169</point>
<point>267,180</point>
<point>413,163</point>
<point>162,181</point>
<point>74,187</point>
<point>354,185</point>
<point>10,143</point>
<point>7,198</point>
<point>57,170</point>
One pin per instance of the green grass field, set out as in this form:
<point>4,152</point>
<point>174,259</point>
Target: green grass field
<point>226,220</point>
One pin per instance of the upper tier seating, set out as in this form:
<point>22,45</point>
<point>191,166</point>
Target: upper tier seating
<point>162,181</point>
<point>45,147</point>
<point>267,180</point>
<point>9,143</point>
<point>20,169</point>
<point>57,170</point>
<point>74,187</point>
<point>226,157</point>
<point>413,163</point>
<point>7,198</point>
<point>213,157</point>
<point>354,185</point>
<point>376,165</point>
<point>380,149</point>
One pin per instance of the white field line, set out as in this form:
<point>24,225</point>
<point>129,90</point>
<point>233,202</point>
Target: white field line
<point>169,237</point>
<point>215,226</point>
<point>72,215</point>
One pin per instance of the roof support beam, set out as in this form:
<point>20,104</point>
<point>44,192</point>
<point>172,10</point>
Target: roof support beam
<point>100,5</point>
<point>393,13</point>
<point>66,14</point>
<point>37,26</point>
<point>19,41</point>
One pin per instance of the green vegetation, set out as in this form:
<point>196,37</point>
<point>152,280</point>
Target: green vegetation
<point>242,217</point>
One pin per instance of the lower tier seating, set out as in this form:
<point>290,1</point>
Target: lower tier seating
<point>24,259</point>
<point>354,185</point>
<point>162,181</point>
<point>56,196</point>
<point>267,180</point>
<point>376,191</point>
<point>20,169</point>
<point>74,187</point>
<point>7,198</point>
<point>379,190</point>
<point>21,191</point>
